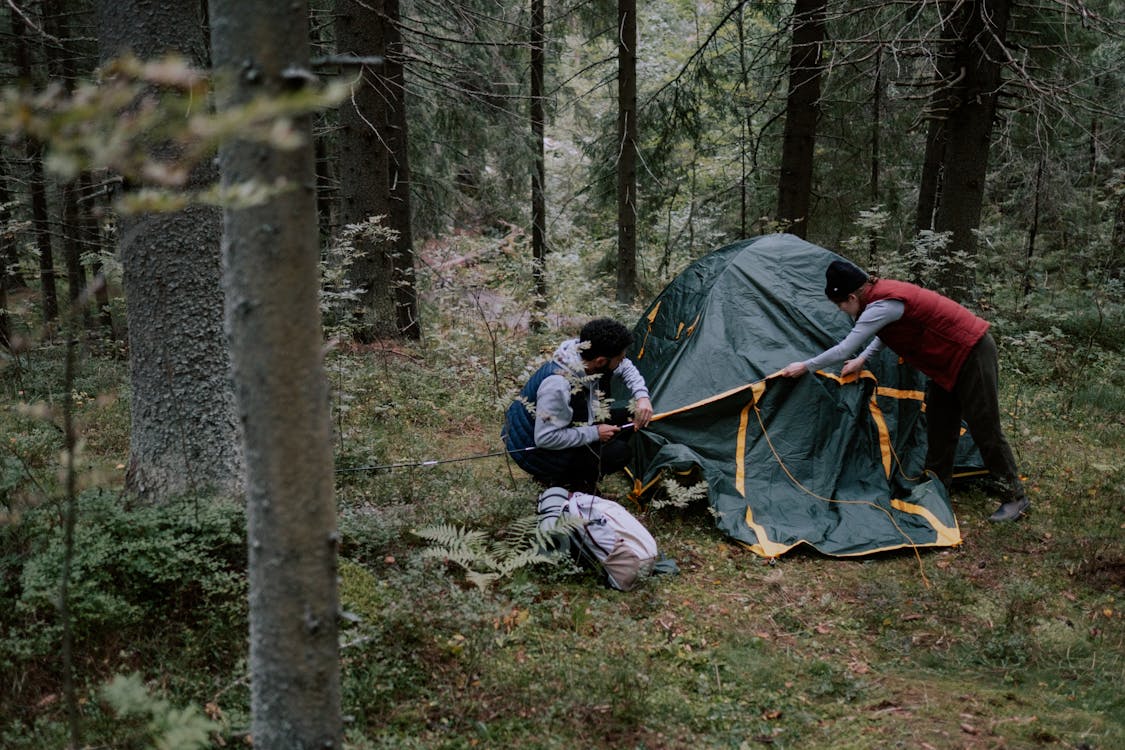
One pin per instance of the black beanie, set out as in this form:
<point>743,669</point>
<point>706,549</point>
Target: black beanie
<point>842,279</point>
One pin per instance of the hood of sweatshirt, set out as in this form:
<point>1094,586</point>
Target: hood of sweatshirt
<point>569,356</point>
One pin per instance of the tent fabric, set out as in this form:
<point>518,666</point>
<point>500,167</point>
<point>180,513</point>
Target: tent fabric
<point>819,460</point>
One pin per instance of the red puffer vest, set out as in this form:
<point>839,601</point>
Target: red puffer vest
<point>934,334</point>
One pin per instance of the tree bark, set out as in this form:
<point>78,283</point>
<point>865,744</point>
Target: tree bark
<point>8,258</point>
<point>627,150</point>
<point>184,435</point>
<point>402,257</point>
<point>62,67</point>
<point>364,160</point>
<point>801,111</point>
<point>270,258</point>
<point>963,140</point>
<point>37,190</point>
<point>539,174</point>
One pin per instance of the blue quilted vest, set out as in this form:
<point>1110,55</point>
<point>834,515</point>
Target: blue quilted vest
<point>519,424</point>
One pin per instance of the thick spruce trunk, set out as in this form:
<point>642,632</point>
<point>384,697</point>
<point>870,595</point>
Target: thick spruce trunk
<point>184,434</point>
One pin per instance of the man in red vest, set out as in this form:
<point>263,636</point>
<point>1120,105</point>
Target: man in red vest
<point>934,334</point>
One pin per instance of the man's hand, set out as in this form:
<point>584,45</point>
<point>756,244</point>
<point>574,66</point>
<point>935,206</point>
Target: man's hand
<point>607,431</point>
<point>642,415</point>
<point>852,366</point>
<point>794,370</point>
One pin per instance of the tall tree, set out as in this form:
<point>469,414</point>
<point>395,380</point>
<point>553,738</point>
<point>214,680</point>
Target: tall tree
<point>962,111</point>
<point>627,150</point>
<point>7,258</point>
<point>270,255</point>
<point>365,157</point>
<point>398,140</point>
<point>184,431</point>
<point>62,66</point>
<point>37,186</point>
<point>539,173</point>
<point>794,190</point>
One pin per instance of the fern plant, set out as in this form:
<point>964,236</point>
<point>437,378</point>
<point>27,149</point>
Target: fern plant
<point>678,495</point>
<point>486,559</point>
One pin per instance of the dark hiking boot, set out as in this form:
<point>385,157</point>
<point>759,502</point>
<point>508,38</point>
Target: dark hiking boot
<point>1011,510</point>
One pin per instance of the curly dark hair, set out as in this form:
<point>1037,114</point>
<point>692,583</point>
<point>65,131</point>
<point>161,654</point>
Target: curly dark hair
<point>607,338</point>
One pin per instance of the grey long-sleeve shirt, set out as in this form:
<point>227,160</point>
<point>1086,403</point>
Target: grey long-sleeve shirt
<point>553,414</point>
<point>867,326</point>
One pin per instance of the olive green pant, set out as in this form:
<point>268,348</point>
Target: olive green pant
<point>974,398</point>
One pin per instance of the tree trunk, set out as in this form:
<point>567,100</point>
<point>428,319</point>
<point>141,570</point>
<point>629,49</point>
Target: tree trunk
<point>942,103</point>
<point>627,150</point>
<point>402,257</point>
<point>41,225</point>
<point>794,193</point>
<point>184,435</point>
<point>9,254</point>
<point>37,190</point>
<point>72,247</point>
<point>876,123</point>
<point>364,160</point>
<point>7,259</point>
<point>1033,230</point>
<point>91,238</point>
<point>62,67</point>
<point>539,174</point>
<point>979,28</point>
<point>270,257</point>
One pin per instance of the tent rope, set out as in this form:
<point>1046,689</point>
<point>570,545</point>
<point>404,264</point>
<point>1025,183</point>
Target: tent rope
<point>430,462</point>
<point>777,456</point>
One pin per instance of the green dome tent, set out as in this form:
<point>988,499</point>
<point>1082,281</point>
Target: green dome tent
<point>816,460</point>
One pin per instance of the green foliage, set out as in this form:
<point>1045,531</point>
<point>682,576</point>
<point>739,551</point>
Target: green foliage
<point>487,560</point>
<point>155,722</point>
<point>342,315</point>
<point>168,133</point>
<point>677,495</point>
<point>135,572</point>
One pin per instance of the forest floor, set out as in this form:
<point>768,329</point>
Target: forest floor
<point>1014,639</point>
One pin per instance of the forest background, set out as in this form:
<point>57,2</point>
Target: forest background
<point>263,305</point>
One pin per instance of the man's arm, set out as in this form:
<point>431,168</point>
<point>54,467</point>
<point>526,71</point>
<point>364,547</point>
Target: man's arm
<point>553,416</point>
<point>635,382</point>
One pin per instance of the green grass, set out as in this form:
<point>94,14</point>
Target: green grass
<point>1015,639</point>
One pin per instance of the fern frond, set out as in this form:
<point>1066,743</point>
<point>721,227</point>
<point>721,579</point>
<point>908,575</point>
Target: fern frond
<point>481,580</point>
<point>486,559</point>
<point>452,537</point>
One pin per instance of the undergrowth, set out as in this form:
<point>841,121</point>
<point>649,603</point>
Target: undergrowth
<point>1015,639</point>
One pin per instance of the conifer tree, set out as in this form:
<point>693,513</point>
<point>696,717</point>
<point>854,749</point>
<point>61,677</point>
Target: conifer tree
<point>270,253</point>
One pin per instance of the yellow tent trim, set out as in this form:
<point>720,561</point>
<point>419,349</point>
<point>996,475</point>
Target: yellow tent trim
<point>651,320</point>
<point>764,547</point>
<point>884,434</point>
<point>947,536</point>
<point>740,445</point>
<point>740,450</point>
<point>758,387</point>
<point>691,328</point>
<point>900,393</point>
